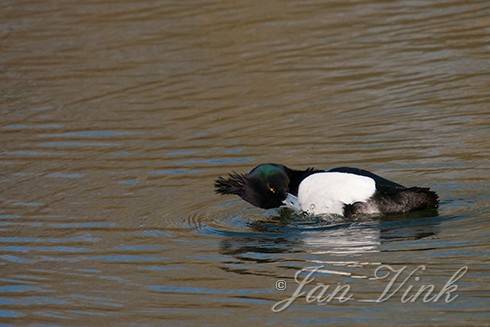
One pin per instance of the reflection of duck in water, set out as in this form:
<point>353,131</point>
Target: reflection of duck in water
<point>343,191</point>
<point>271,239</point>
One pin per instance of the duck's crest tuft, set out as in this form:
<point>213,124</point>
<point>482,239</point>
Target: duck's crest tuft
<point>233,185</point>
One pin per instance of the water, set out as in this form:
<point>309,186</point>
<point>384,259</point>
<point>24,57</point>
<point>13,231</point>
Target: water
<point>116,117</point>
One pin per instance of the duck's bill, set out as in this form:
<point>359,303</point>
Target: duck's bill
<point>292,202</point>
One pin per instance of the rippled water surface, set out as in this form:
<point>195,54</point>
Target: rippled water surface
<point>117,116</point>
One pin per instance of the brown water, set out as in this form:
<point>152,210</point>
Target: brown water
<point>117,116</point>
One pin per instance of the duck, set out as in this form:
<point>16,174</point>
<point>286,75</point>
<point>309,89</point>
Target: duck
<point>344,191</point>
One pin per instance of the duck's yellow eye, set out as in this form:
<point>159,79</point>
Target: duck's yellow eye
<point>271,188</point>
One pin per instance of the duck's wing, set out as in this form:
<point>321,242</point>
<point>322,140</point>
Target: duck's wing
<point>382,184</point>
<point>390,197</point>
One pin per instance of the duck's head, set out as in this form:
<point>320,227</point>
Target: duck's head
<point>266,186</point>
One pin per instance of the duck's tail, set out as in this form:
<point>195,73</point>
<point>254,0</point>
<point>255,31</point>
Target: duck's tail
<point>408,199</point>
<point>423,197</point>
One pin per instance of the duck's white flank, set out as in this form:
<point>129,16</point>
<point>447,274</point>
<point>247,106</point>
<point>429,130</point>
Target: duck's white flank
<point>327,193</point>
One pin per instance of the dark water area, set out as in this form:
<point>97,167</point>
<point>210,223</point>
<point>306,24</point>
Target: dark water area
<point>117,116</point>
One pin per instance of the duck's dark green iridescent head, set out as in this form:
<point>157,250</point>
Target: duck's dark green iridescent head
<point>265,186</point>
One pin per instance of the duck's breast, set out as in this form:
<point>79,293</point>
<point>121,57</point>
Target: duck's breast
<point>328,192</point>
